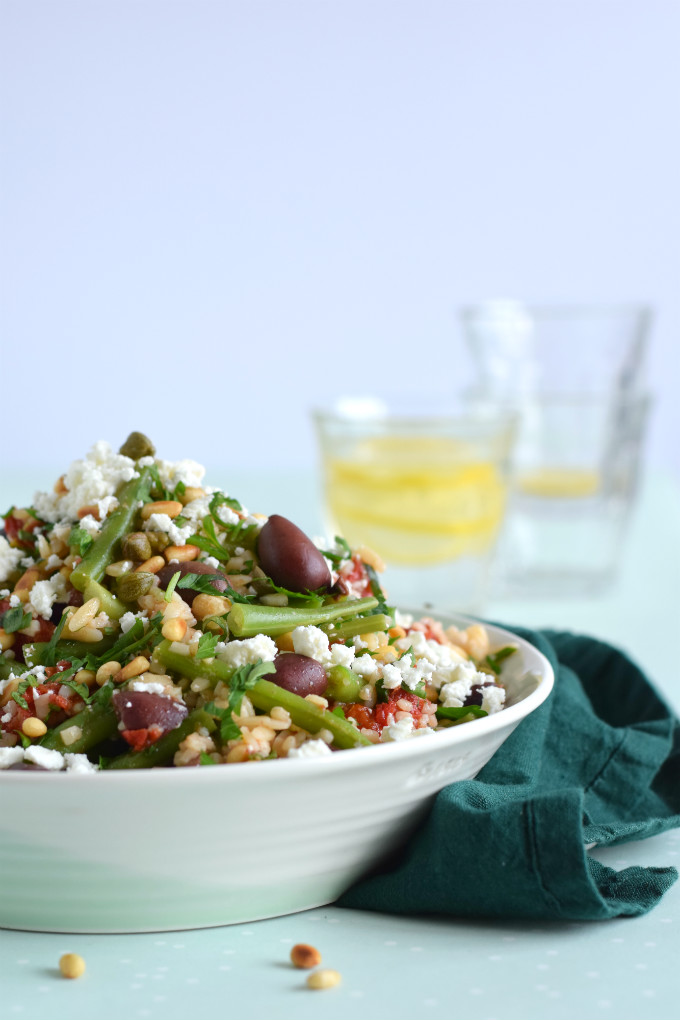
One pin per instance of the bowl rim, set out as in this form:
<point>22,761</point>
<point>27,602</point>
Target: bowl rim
<point>451,738</point>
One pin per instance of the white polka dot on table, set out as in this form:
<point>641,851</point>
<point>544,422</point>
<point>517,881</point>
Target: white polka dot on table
<point>616,941</point>
<point>641,966</point>
<point>162,967</point>
<point>143,1012</point>
<point>140,977</point>
<point>554,994</point>
<point>192,981</point>
<point>543,966</point>
<point>286,942</point>
<point>44,988</point>
<point>21,962</point>
<point>475,991</point>
<point>225,966</point>
<point>593,973</point>
<point>135,988</point>
<point>540,988</point>
<point>430,1002</point>
<point>159,943</point>
<point>160,998</point>
<point>649,993</point>
<point>495,958</point>
<point>125,961</point>
<point>178,945</point>
<point>650,945</point>
<point>416,949</point>
<point>666,920</point>
<point>390,942</point>
<point>551,952</point>
<point>356,994</point>
<point>230,952</point>
<point>604,1004</point>
<point>248,932</point>
<point>333,920</point>
<point>158,977</point>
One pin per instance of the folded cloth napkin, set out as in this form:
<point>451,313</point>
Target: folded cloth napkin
<point>597,763</point>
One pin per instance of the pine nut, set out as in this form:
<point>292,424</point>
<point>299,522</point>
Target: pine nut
<point>72,965</point>
<point>60,487</point>
<point>33,727</point>
<point>324,979</point>
<point>90,635</point>
<point>174,629</point>
<point>163,506</point>
<point>209,605</point>
<point>106,671</point>
<point>6,640</point>
<point>119,567</point>
<point>191,493</point>
<point>85,676</point>
<point>181,553</point>
<point>83,616</point>
<point>43,547</point>
<point>151,566</point>
<point>139,665</point>
<point>26,582</point>
<point>305,956</point>
<point>92,510</point>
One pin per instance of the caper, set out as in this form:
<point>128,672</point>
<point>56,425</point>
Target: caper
<point>137,445</point>
<point>158,540</point>
<point>132,586</point>
<point>343,684</point>
<point>136,546</point>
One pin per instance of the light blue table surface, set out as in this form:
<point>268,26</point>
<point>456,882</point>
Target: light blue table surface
<point>392,967</point>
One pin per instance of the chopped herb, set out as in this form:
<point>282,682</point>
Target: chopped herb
<point>243,680</point>
<point>180,521</point>
<point>180,489</point>
<point>382,608</point>
<point>495,659</point>
<point>221,499</point>
<point>206,646</point>
<point>209,542</point>
<point>51,656</point>
<point>336,558</point>
<point>15,619</point>
<point>80,540</point>
<point>338,711</point>
<point>307,598</point>
<point>25,741</point>
<point>205,759</point>
<point>171,586</point>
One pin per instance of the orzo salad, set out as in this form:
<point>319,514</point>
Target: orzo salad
<point>148,619</point>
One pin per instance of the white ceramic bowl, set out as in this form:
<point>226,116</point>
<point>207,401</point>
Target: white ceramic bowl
<point>167,849</point>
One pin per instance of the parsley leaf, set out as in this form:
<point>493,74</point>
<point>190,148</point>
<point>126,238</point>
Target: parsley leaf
<point>15,619</point>
<point>206,646</point>
<point>382,608</point>
<point>242,680</point>
<point>200,582</point>
<point>80,540</point>
<point>209,542</point>
<point>495,659</point>
<point>180,489</point>
<point>50,656</point>
<point>336,558</point>
<point>221,499</point>
<point>205,759</point>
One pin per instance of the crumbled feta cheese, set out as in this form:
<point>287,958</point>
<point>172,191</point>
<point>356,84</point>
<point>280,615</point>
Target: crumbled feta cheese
<point>162,522</point>
<point>91,525</point>
<point>313,642</point>
<point>4,593</point>
<point>461,679</point>
<point>27,561</point>
<point>14,601</point>
<point>227,515</point>
<point>146,461</point>
<point>9,558</point>
<point>403,672</point>
<point>44,593</point>
<point>365,666</point>
<point>4,684</point>
<point>402,619</point>
<point>400,729</point>
<point>197,509</point>
<point>52,760</point>
<point>186,471</point>
<point>493,699</point>
<point>127,620</point>
<point>342,655</point>
<point>310,749</point>
<point>53,561</point>
<point>79,763</point>
<point>87,481</point>
<point>151,688</point>
<point>106,505</point>
<point>211,561</point>
<point>239,653</point>
<point>10,756</point>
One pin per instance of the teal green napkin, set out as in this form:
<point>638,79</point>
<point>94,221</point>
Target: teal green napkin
<point>598,762</point>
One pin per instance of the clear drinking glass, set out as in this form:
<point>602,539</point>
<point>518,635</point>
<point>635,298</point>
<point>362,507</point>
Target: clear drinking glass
<point>575,377</point>
<point>426,491</point>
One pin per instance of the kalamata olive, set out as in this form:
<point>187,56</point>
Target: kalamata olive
<point>74,598</point>
<point>165,575</point>
<point>138,710</point>
<point>299,674</point>
<point>290,558</point>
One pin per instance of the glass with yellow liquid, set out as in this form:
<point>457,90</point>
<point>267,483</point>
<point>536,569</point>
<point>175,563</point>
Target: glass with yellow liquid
<point>426,492</point>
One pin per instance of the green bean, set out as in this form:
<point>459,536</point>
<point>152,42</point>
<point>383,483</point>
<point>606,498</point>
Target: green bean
<point>100,554</point>
<point>163,750</point>
<point>6,668</point>
<point>68,650</point>
<point>265,695</point>
<point>246,619</point>
<point>108,603</point>
<point>362,625</point>
<point>97,721</point>
<point>343,684</point>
